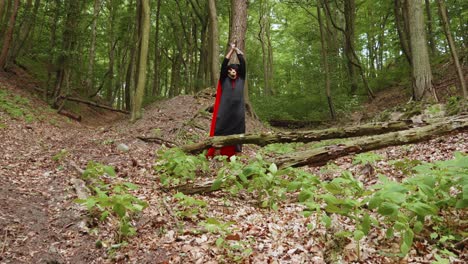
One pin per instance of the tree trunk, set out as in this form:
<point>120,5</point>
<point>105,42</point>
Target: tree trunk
<point>8,36</point>
<point>92,49</point>
<point>320,156</point>
<point>401,30</point>
<point>430,32</point>
<point>237,30</point>
<point>144,17</point>
<point>325,63</point>
<point>350,15</point>
<point>25,28</point>
<point>68,46</point>
<point>289,137</point>
<point>453,49</point>
<point>421,68</point>
<point>214,45</point>
<point>157,54</point>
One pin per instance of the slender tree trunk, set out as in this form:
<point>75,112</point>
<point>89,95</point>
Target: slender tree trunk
<point>430,32</point>
<point>350,15</point>
<point>214,44</point>
<point>3,14</point>
<point>53,44</point>
<point>401,29</point>
<point>8,37</point>
<point>157,54</point>
<point>453,49</point>
<point>325,62</point>
<point>92,49</point>
<point>144,17</point>
<point>421,68</point>
<point>68,46</point>
<point>25,28</point>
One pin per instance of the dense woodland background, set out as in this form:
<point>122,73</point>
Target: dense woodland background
<point>307,60</point>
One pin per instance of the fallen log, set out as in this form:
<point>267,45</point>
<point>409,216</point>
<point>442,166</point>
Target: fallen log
<point>78,100</point>
<point>320,156</point>
<point>302,136</point>
<point>70,115</point>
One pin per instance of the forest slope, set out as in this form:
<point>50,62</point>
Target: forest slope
<point>40,220</point>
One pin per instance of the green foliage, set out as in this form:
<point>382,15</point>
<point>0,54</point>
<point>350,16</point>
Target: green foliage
<point>16,106</point>
<point>189,207</point>
<point>403,208</point>
<point>366,157</point>
<point>111,199</point>
<point>280,148</point>
<point>117,202</point>
<point>95,170</point>
<point>454,104</point>
<point>62,154</point>
<point>175,166</point>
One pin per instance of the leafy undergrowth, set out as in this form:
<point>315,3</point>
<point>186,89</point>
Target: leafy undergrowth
<point>424,212</point>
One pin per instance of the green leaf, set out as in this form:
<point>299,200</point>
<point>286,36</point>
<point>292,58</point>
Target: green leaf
<point>366,223</point>
<point>243,178</point>
<point>395,197</point>
<point>109,170</point>
<point>390,233</point>
<point>219,241</point>
<point>293,186</point>
<point>326,220</point>
<point>104,215</point>
<point>304,195</point>
<point>358,235</point>
<point>273,168</point>
<point>375,202</point>
<point>119,209</point>
<point>422,209</point>
<point>216,184</point>
<point>418,227</point>
<point>461,204</point>
<point>387,209</point>
<point>131,186</point>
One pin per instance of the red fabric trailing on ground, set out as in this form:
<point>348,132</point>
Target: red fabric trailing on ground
<point>227,150</point>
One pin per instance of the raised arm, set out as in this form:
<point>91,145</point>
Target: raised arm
<point>242,67</point>
<point>223,73</point>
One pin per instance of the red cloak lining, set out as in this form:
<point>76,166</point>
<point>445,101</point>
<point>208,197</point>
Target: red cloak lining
<point>227,150</point>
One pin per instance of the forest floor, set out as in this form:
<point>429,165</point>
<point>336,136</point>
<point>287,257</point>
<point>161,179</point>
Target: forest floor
<point>40,222</point>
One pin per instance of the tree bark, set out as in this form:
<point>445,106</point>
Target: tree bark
<point>401,29</point>
<point>320,156</point>
<point>453,49</point>
<point>92,49</point>
<point>8,36</point>
<point>325,62</point>
<point>25,28</point>
<point>288,137</point>
<point>421,68</point>
<point>430,32</point>
<point>214,46</point>
<point>157,54</point>
<point>237,30</point>
<point>144,17</point>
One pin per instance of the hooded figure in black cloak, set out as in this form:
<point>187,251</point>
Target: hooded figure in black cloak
<point>229,108</point>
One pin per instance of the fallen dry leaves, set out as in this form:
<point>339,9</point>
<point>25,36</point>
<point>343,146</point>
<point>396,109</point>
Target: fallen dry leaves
<point>39,220</point>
